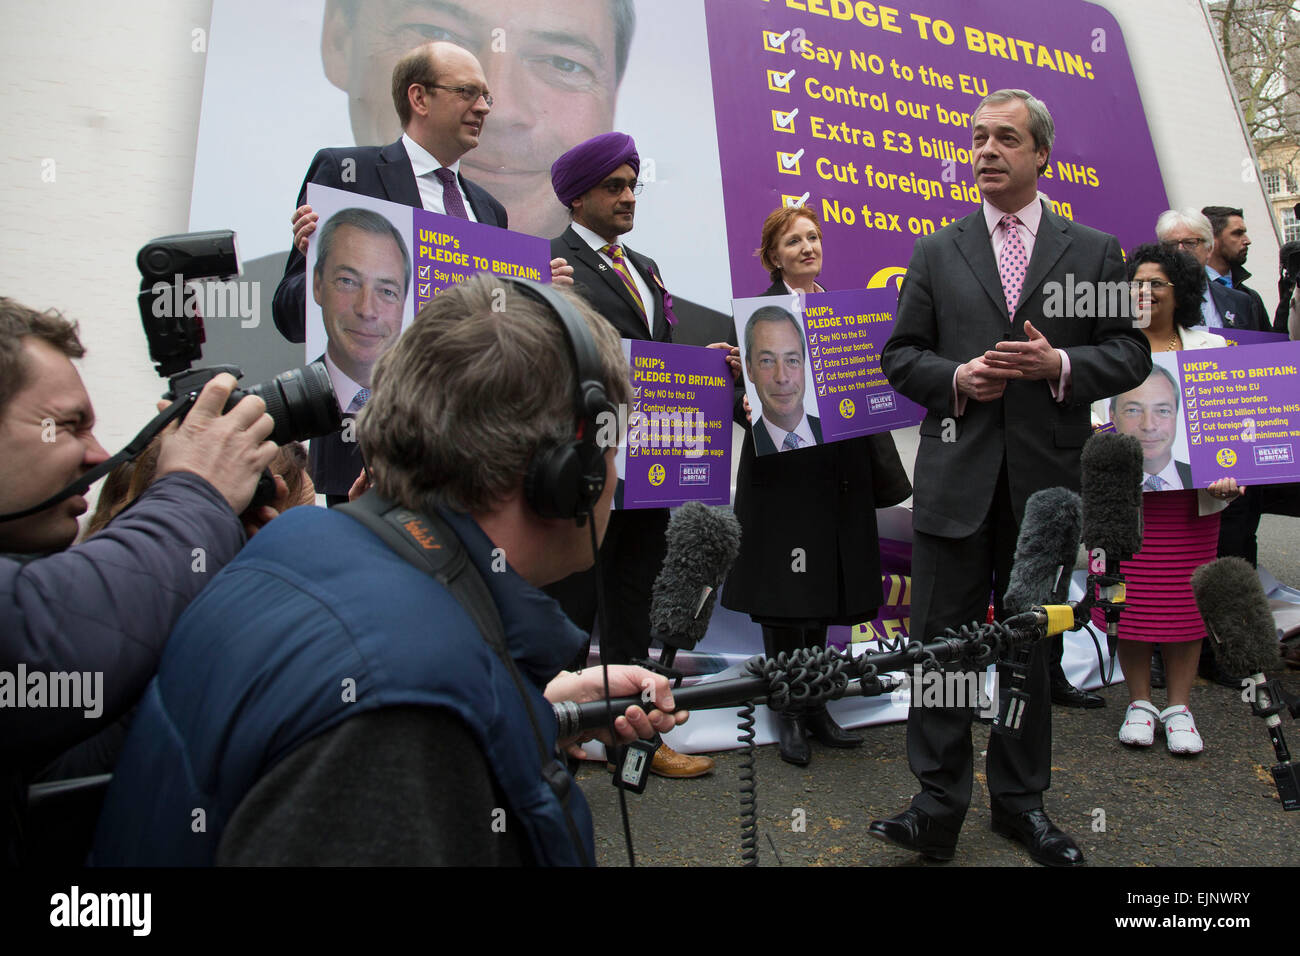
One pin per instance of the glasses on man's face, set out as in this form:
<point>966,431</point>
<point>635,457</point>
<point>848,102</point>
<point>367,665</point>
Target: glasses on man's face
<point>615,187</point>
<point>1152,284</point>
<point>470,94</point>
<point>1187,245</point>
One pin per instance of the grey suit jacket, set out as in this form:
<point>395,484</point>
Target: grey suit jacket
<point>951,308</point>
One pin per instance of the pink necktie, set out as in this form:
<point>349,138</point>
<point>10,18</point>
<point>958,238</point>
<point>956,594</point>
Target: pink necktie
<point>1012,264</point>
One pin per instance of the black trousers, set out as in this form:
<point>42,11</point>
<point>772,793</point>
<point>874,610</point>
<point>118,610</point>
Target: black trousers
<point>951,582</point>
<point>1238,525</point>
<point>630,558</point>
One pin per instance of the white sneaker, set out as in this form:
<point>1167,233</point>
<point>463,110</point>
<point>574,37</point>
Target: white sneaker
<point>1180,730</point>
<point>1139,727</point>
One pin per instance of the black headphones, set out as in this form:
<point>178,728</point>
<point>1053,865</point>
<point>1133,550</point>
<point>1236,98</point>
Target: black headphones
<point>566,479</point>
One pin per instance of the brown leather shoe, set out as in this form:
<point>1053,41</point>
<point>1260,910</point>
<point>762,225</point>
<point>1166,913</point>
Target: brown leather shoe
<point>669,763</point>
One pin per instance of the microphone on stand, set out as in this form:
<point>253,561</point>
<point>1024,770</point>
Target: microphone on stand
<point>1111,467</point>
<point>702,544</point>
<point>1240,623</point>
<point>1039,579</point>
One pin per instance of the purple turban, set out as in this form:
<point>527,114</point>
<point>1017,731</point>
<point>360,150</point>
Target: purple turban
<point>587,164</point>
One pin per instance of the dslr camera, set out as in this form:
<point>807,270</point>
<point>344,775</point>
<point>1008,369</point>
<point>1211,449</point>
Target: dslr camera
<point>300,401</point>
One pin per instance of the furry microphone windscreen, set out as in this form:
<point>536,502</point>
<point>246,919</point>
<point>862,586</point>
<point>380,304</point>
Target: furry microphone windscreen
<point>1111,467</point>
<point>702,544</point>
<point>1049,538</point>
<point>1237,616</point>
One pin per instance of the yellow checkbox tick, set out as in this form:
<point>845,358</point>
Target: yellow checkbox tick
<point>783,122</point>
<point>774,42</point>
<point>788,162</point>
<point>778,81</point>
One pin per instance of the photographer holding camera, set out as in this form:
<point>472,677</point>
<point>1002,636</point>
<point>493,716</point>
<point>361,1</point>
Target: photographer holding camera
<point>82,627</point>
<point>376,679</point>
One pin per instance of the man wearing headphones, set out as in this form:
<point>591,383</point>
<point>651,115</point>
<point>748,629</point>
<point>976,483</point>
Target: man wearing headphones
<point>353,694</point>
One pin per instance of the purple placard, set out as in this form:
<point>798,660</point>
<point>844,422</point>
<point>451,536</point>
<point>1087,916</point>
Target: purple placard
<point>449,250</point>
<point>845,394</point>
<point>1242,410</point>
<point>1248,337</point>
<point>678,428</point>
<point>867,123</point>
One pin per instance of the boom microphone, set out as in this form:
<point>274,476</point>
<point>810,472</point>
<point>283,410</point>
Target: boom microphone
<point>1045,550</point>
<point>821,672</point>
<point>1236,613</point>
<point>1111,467</point>
<point>702,546</point>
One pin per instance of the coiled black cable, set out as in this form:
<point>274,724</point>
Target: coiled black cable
<point>748,788</point>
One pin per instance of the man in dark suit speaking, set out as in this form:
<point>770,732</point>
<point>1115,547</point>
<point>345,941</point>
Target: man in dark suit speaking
<point>1006,391</point>
<point>360,280</point>
<point>775,356</point>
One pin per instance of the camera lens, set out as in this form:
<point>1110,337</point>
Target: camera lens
<point>302,403</point>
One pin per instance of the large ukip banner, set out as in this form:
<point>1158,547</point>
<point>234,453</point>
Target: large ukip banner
<point>862,113</point>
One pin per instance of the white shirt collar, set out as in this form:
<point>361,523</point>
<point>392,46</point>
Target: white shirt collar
<point>591,239</point>
<point>423,161</point>
<point>817,287</point>
<point>1169,475</point>
<point>803,430</point>
<point>345,390</point>
<point>1029,217</point>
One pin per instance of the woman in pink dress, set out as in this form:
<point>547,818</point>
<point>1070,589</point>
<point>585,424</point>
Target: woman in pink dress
<point>1181,523</point>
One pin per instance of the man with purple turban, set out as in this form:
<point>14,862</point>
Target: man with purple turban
<point>597,181</point>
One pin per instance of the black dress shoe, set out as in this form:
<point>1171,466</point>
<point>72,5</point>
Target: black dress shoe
<point>1157,670</point>
<point>1046,843</point>
<point>824,728</point>
<point>916,830</point>
<point>794,743</point>
<point>1067,695</point>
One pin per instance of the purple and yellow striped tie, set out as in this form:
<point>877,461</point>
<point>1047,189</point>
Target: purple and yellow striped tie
<point>615,252</point>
